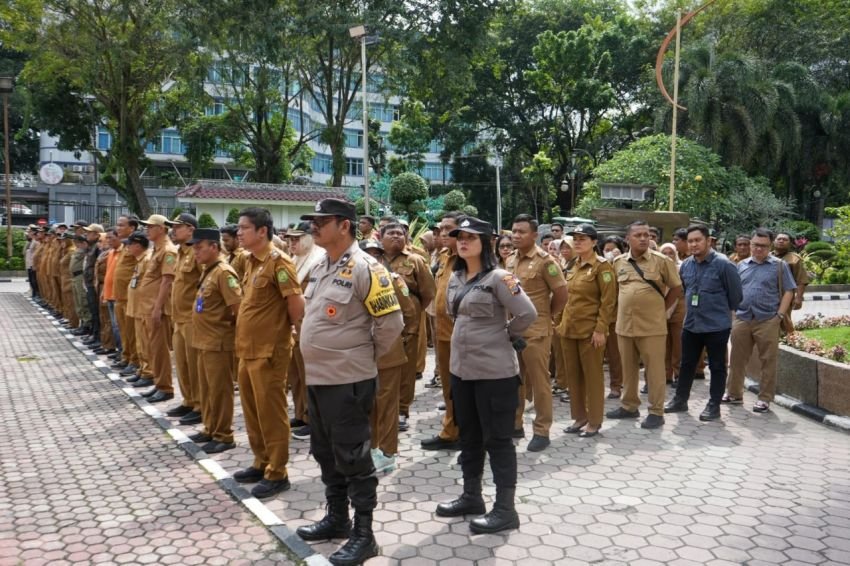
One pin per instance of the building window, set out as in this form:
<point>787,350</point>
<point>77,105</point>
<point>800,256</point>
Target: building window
<point>104,139</point>
<point>323,164</point>
<point>434,172</point>
<point>354,166</point>
<point>171,142</point>
<point>353,138</point>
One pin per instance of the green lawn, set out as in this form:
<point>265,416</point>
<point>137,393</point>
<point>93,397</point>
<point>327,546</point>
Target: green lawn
<point>830,337</point>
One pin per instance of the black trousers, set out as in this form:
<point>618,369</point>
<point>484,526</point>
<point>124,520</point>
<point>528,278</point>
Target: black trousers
<point>33,283</point>
<point>484,411</point>
<point>340,441</point>
<point>94,308</point>
<point>715,344</point>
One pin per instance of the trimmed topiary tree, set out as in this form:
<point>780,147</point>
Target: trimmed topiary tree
<point>233,216</point>
<point>407,189</point>
<point>206,221</point>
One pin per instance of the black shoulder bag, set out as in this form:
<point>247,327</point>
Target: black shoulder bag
<point>653,284</point>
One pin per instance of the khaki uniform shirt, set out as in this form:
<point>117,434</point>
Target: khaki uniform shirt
<point>185,285</point>
<point>798,268</point>
<point>139,268</point>
<point>640,308</point>
<point>162,262</point>
<point>417,276</point>
<point>396,356</point>
<point>56,257</point>
<point>124,267</point>
<point>445,323</point>
<point>237,260</point>
<point>591,299</point>
<point>352,318</point>
<point>540,276</point>
<point>213,323</point>
<point>263,324</point>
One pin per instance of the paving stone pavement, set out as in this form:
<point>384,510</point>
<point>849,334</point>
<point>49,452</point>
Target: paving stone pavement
<point>87,478</point>
<point>751,489</point>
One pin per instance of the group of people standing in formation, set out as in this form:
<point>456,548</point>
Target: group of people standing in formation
<point>338,310</point>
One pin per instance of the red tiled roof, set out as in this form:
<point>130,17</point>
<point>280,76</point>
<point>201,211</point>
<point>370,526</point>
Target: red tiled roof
<point>259,192</point>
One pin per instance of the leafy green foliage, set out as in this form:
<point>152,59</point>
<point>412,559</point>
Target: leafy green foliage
<point>205,220</point>
<point>408,189</point>
<point>454,200</point>
<point>232,216</point>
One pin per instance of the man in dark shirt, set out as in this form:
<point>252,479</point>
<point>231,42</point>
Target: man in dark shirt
<point>712,292</point>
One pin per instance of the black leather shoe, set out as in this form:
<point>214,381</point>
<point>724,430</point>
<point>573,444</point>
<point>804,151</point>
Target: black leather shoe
<point>501,518</point>
<point>133,379</point>
<point>193,417</point>
<point>440,443</point>
<point>160,396</point>
<point>102,351</point>
<point>150,392</point>
<point>470,501</point>
<point>711,412</point>
<point>676,405</point>
<point>361,545</point>
<point>248,475</point>
<point>621,413</point>
<point>538,443</point>
<point>178,411</point>
<point>215,447</point>
<point>143,382</point>
<point>652,421</point>
<point>200,437</point>
<point>270,488</point>
<point>296,423</point>
<point>335,524</point>
<point>129,369</point>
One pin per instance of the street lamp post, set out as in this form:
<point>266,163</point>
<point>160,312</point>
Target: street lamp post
<point>7,86</point>
<point>359,32</point>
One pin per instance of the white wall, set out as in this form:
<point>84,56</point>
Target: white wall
<point>283,214</point>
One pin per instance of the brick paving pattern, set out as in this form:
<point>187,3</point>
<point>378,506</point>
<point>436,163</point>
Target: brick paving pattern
<point>87,478</point>
<point>751,489</point>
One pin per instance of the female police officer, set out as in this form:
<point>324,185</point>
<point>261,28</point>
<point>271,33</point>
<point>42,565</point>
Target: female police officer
<point>484,373</point>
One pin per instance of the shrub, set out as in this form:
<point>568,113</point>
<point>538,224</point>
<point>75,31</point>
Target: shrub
<point>206,221</point>
<point>454,200</point>
<point>233,216</point>
<point>16,264</point>
<point>812,247</point>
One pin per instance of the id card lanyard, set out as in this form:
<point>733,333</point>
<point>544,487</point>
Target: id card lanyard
<point>199,301</point>
<point>701,275</point>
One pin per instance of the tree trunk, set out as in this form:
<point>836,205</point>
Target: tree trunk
<point>137,199</point>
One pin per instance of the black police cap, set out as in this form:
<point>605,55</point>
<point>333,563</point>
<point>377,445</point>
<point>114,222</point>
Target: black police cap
<point>137,238</point>
<point>332,207</point>
<point>472,225</point>
<point>208,234</point>
<point>585,229</point>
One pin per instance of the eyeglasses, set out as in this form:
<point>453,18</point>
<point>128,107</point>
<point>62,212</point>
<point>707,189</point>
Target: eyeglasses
<point>506,247</point>
<point>321,221</point>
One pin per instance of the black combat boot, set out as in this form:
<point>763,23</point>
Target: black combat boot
<point>335,523</point>
<point>361,546</point>
<point>470,501</point>
<point>502,517</point>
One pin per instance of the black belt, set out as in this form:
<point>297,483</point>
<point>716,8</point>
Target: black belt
<point>76,273</point>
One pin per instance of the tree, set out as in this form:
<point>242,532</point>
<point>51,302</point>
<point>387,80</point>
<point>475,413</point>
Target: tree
<point>408,189</point>
<point>232,216</point>
<point>122,54</point>
<point>24,142</point>
<point>205,220</point>
<point>410,138</point>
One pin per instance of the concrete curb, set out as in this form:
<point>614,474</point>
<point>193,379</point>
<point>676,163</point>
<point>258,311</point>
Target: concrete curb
<point>810,411</point>
<point>834,297</point>
<point>293,544</point>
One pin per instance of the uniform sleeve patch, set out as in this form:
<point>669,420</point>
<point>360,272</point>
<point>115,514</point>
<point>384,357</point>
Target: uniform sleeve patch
<point>512,283</point>
<point>553,270</point>
<point>169,259</point>
<point>282,276</point>
<point>232,282</point>
<point>606,276</point>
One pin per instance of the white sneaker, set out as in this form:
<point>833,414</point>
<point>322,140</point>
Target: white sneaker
<point>383,464</point>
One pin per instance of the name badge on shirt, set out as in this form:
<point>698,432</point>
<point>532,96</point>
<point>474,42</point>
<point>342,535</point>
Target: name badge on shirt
<point>695,300</point>
<point>199,305</point>
<point>133,282</point>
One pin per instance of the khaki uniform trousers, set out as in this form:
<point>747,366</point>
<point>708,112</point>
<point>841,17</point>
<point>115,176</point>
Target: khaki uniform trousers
<point>650,350</point>
<point>262,389</point>
<point>68,308</point>
<point>615,363</point>
<point>560,363</point>
<point>763,335</point>
<point>423,343</point>
<point>127,328</point>
<point>673,357</point>
<point>159,357</point>
<point>298,385</point>
<point>534,368</point>
<point>384,417</point>
<point>107,340</point>
<point>586,380</point>
<point>186,360</point>
<point>215,393</point>
<point>408,375</point>
<point>56,289</point>
<point>443,350</point>
<point>142,349</point>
